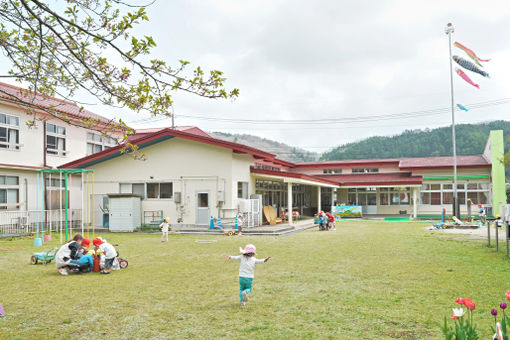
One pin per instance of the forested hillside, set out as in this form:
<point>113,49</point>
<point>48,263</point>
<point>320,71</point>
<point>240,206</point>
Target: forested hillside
<point>471,139</point>
<point>281,150</point>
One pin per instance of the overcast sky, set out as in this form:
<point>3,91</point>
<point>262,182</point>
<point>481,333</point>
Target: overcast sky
<point>332,59</point>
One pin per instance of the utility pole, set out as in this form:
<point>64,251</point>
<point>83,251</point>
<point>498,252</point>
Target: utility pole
<point>173,121</point>
<point>449,30</point>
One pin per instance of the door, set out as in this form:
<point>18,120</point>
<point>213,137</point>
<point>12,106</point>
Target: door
<point>203,211</point>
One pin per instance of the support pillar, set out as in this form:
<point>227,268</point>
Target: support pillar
<point>332,197</point>
<point>415,203</point>
<point>318,199</point>
<point>289,203</point>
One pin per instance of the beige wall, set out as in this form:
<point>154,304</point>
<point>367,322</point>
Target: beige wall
<point>190,166</point>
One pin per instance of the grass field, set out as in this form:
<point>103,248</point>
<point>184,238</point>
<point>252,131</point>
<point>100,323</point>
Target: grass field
<point>364,281</point>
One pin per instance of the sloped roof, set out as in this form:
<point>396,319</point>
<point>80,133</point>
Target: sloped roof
<point>316,179</point>
<point>368,179</point>
<point>13,93</point>
<point>406,163</point>
<point>159,136</point>
<point>443,162</point>
<point>189,129</point>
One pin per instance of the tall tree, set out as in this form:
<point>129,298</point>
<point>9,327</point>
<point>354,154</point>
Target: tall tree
<point>60,48</point>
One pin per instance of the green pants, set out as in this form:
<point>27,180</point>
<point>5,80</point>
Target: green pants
<point>244,286</point>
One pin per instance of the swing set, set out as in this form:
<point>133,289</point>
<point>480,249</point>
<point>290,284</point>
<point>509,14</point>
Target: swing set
<point>64,177</point>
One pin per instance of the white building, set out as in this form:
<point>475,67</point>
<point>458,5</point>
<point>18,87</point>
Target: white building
<point>51,142</point>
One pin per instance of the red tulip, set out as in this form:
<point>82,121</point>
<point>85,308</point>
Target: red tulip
<point>507,294</point>
<point>470,305</point>
<point>460,301</point>
<point>455,318</point>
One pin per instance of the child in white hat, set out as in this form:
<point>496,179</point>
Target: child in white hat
<point>164,229</point>
<point>246,270</point>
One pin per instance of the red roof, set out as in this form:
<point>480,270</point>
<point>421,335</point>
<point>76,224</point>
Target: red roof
<point>406,163</point>
<point>477,161</point>
<point>163,134</point>
<point>189,129</point>
<point>350,162</point>
<point>14,93</point>
<point>372,179</point>
<point>292,175</point>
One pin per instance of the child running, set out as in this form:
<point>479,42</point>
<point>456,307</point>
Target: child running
<point>164,229</point>
<point>246,270</point>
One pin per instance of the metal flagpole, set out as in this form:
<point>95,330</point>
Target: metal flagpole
<point>449,30</point>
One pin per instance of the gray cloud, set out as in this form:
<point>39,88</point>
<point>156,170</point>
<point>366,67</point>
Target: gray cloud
<point>320,59</point>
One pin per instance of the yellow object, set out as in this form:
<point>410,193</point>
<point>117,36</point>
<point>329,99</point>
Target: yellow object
<point>167,219</point>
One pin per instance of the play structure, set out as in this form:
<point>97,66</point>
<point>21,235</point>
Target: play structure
<point>47,177</point>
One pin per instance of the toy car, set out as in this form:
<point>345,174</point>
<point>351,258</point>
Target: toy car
<point>44,257</point>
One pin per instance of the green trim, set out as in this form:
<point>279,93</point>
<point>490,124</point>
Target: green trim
<point>497,152</point>
<point>65,171</point>
<point>458,177</point>
<point>67,209</point>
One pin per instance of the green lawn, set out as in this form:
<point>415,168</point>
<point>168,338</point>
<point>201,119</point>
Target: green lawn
<point>364,281</point>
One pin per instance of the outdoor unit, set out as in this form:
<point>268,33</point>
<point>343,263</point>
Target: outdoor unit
<point>125,215</point>
<point>177,197</point>
<point>221,196</point>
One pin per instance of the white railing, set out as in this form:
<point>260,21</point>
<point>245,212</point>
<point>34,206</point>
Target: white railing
<point>24,222</point>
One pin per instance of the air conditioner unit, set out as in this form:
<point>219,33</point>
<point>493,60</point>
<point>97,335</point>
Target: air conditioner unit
<point>177,197</point>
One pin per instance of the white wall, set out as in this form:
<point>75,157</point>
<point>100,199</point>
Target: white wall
<point>190,166</point>
<point>31,153</point>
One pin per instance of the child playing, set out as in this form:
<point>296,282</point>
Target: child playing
<point>109,253</point>
<point>85,260</point>
<point>164,229</point>
<point>246,270</point>
<point>68,252</point>
<point>331,221</point>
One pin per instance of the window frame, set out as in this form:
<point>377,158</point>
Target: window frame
<point>57,135</point>
<point>7,187</point>
<point>244,192</point>
<point>98,140</point>
<point>364,170</point>
<point>462,192</point>
<point>7,144</point>
<point>390,192</point>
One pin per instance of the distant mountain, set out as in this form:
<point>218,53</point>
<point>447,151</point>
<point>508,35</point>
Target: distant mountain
<point>281,150</point>
<point>470,138</point>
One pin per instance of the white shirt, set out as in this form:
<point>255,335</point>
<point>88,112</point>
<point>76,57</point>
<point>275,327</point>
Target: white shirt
<point>247,267</point>
<point>108,250</point>
<point>164,227</point>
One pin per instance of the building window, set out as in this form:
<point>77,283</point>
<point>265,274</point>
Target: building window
<point>362,196</point>
<point>97,143</point>
<point>438,194</point>
<point>148,190</point>
<point>332,171</point>
<point>364,170</point>
<point>158,190</point>
<point>394,196</point>
<point>55,139</point>
<point>242,190</point>
<point>9,192</point>
<point>9,132</point>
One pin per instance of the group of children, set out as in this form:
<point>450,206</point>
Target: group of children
<point>76,255</point>
<point>326,221</point>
